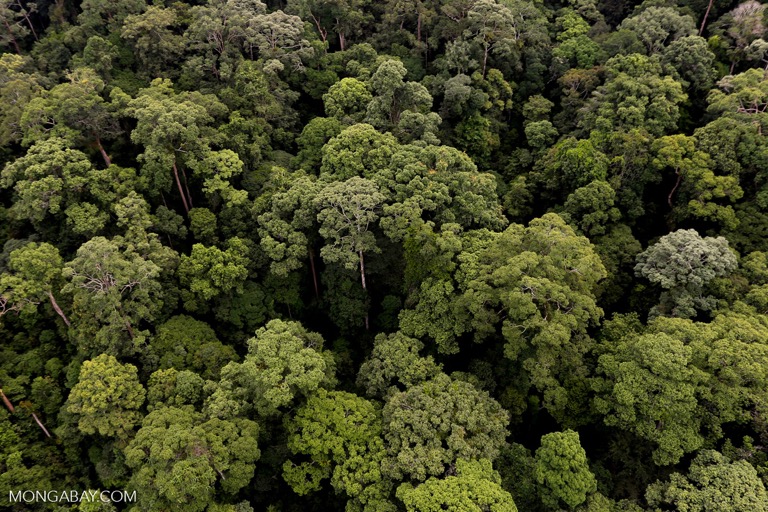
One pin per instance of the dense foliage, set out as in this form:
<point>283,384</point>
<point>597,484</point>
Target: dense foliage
<point>407,255</point>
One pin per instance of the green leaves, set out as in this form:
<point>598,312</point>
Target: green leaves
<point>209,271</point>
<point>473,488</point>
<point>106,398</point>
<point>178,458</point>
<point>430,425</point>
<point>562,471</point>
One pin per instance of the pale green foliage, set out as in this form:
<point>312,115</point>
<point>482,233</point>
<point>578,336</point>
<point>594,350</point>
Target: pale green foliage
<point>113,288</point>
<point>659,26</point>
<point>173,388</point>
<point>475,487</point>
<point>209,271</point>
<point>284,226</point>
<point>347,100</point>
<point>179,459</point>
<point>152,36</point>
<point>430,425</point>
<point>562,471</point>
<point>637,94</point>
<point>347,211</point>
<point>106,398</point>
<point>358,150</point>
<point>341,434</point>
<point>591,208</point>
<point>682,263</point>
<point>284,362</point>
<point>395,360</point>
<point>537,284</point>
<point>35,272</point>
<point>650,389</point>
<point>713,483</point>
<point>216,169</point>
<point>48,179</point>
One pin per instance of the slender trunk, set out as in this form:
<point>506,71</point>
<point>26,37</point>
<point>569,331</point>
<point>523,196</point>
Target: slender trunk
<point>57,309</point>
<point>7,402</point>
<point>418,28</point>
<point>186,187</point>
<point>29,22</point>
<point>129,328</point>
<point>104,155</point>
<point>485,59</point>
<point>40,423</point>
<point>314,272</point>
<point>342,41</point>
<point>323,33</point>
<point>733,65</point>
<point>13,39</point>
<point>178,185</point>
<point>362,270</point>
<point>672,192</point>
<point>367,323</point>
<point>706,15</point>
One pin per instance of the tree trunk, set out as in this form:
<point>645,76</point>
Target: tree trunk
<point>13,39</point>
<point>342,41</point>
<point>672,192</point>
<point>29,22</point>
<point>362,270</point>
<point>706,15</point>
<point>418,28</point>
<point>186,187</point>
<point>178,185</point>
<point>57,309</point>
<point>485,58</point>
<point>129,328</point>
<point>314,272</point>
<point>104,155</point>
<point>7,402</point>
<point>40,423</point>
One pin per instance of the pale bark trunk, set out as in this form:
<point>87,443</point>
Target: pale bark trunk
<point>706,15</point>
<point>672,192</point>
<point>186,187</point>
<point>7,402</point>
<point>181,190</point>
<point>362,270</point>
<point>57,309</point>
<point>104,155</point>
<point>40,423</point>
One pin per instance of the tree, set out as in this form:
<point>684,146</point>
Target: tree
<point>346,211</point>
<point>209,272</point>
<point>36,270</point>
<point>185,343</point>
<point>713,482</point>
<point>341,435</point>
<point>682,263</point>
<point>173,128</point>
<point>47,180</point>
<point>429,426</point>
<point>659,26</point>
<point>637,94</point>
<point>106,398</point>
<point>113,289</point>
<point>284,362</point>
<point>17,88</point>
<point>153,39</point>
<point>475,486</point>
<point>347,100</point>
<point>695,179</point>
<point>650,388</point>
<point>395,360</point>
<point>278,36</point>
<point>562,471</point>
<point>358,150</point>
<point>493,27</point>
<point>179,459</point>
<point>537,286</point>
